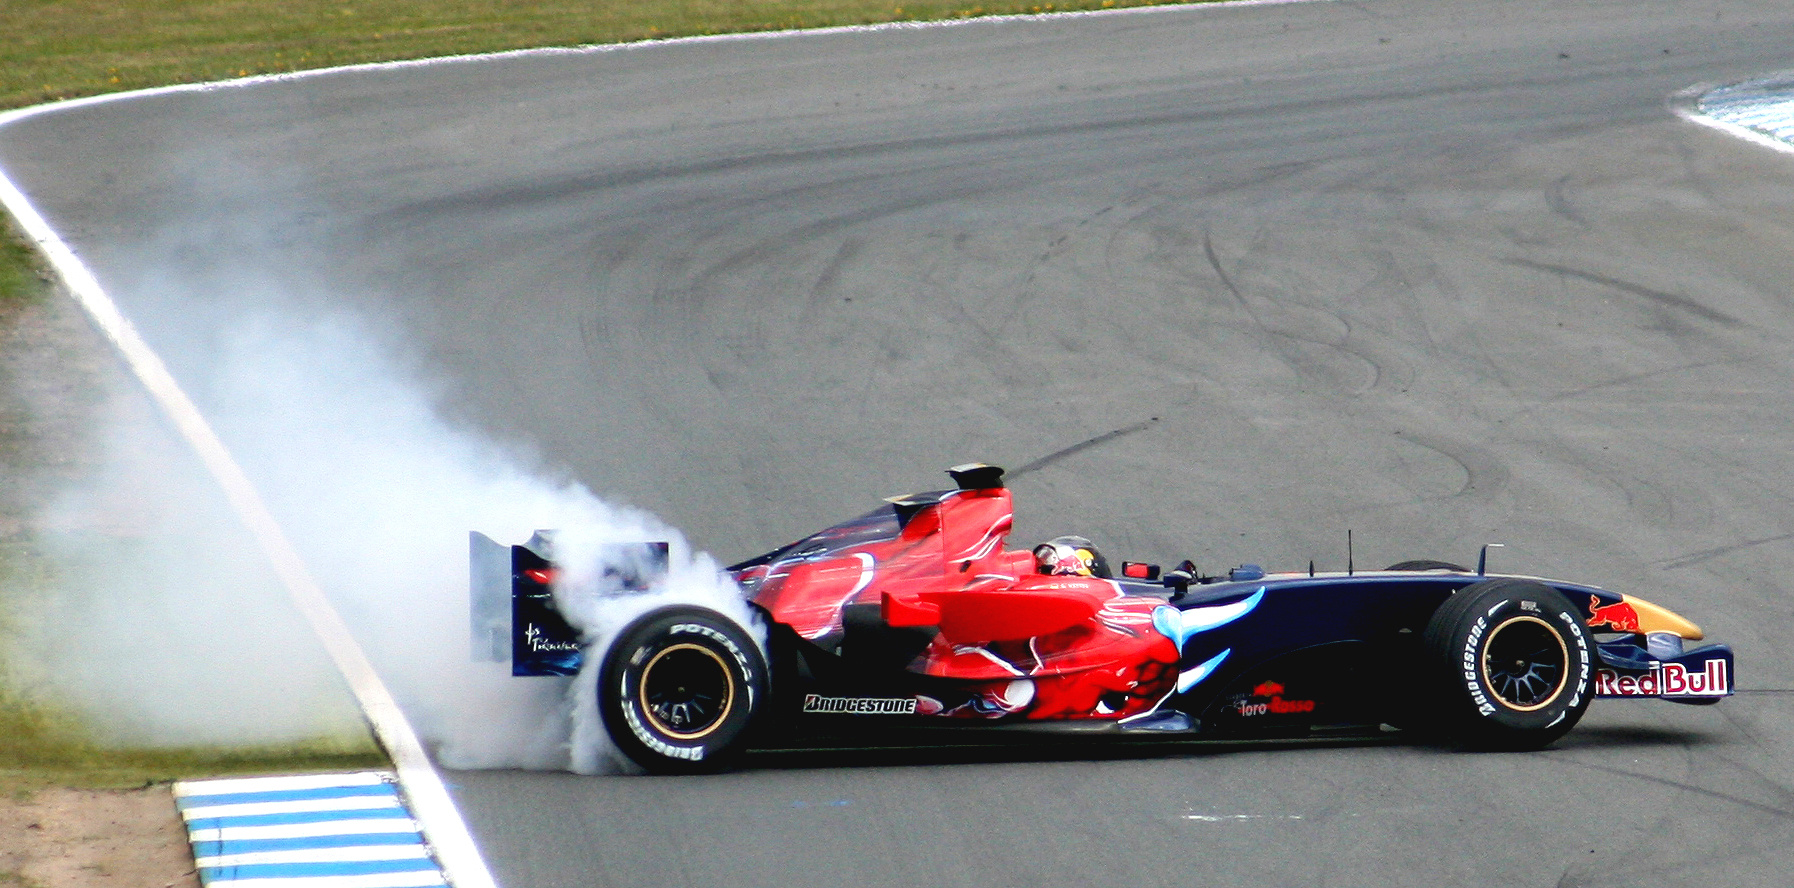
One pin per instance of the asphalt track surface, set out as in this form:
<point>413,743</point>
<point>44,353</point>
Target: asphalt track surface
<point>1217,283</point>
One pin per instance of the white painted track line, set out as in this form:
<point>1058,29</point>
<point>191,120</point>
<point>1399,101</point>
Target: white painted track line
<point>248,809</point>
<point>230,785</point>
<point>326,855</point>
<point>423,785</point>
<point>381,826</point>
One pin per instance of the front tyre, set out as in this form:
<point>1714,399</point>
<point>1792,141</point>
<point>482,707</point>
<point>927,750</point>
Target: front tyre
<point>679,688</point>
<point>1515,664</point>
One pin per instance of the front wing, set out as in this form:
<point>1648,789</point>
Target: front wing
<point>1628,669</point>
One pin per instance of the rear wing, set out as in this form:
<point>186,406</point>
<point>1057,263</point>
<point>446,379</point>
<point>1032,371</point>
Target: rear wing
<point>512,613</point>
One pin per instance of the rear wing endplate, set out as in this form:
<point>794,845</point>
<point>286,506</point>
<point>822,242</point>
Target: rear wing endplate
<point>512,614</point>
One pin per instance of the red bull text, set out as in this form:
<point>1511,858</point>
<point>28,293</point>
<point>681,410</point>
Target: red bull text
<point>1667,680</point>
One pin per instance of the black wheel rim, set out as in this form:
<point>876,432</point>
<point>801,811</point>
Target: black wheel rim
<point>1525,663</point>
<point>686,691</point>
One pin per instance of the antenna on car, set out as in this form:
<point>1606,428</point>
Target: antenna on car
<point>1482,561</point>
<point>1348,551</point>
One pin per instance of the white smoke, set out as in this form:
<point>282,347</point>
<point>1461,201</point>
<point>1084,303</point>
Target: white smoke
<point>588,598</point>
<point>378,493</point>
<point>160,625</point>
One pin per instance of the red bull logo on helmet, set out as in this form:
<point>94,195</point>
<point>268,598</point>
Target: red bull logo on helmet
<point>1667,680</point>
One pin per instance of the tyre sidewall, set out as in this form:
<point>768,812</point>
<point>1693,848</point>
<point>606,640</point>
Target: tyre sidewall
<point>636,733</point>
<point>1460,635</point>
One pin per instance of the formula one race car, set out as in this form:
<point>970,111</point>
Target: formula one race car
<point>916,615</point>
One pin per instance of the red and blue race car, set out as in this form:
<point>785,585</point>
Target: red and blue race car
<point>917,615</point>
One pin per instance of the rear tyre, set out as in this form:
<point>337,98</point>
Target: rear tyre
<point>1427,564</point>
<point>679,689</point>
<point>1514,664</point>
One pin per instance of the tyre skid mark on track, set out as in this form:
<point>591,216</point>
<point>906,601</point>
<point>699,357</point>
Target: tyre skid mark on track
<point>1082,446</point>
<point>1482,473</point>
<point>1772,810</point>
<point>1671,300</point>
<point>1693,558</point>
<point>1278,335</point>
<point>1001,138</point>
<point>1762,843</point>
<point>1214,261</point>
<point>1617,381</point>
<point>1557,199</point>
<point>770,246</point>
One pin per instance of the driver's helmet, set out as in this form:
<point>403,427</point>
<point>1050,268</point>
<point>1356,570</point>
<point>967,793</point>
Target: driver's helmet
<point>1070,556</point>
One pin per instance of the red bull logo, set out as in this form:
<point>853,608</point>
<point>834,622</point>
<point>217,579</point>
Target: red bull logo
<point>1062,560</point>
<point>1667,680</point>
<point>1620,617</point>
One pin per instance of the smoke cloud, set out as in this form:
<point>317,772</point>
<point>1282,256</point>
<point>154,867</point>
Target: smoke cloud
<point>180,637</point>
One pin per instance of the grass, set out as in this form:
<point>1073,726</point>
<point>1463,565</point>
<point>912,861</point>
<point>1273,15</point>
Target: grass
<point>22,278</point>
<point>57,49</point>
<point>24,444</point>
<point>40,746</point>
